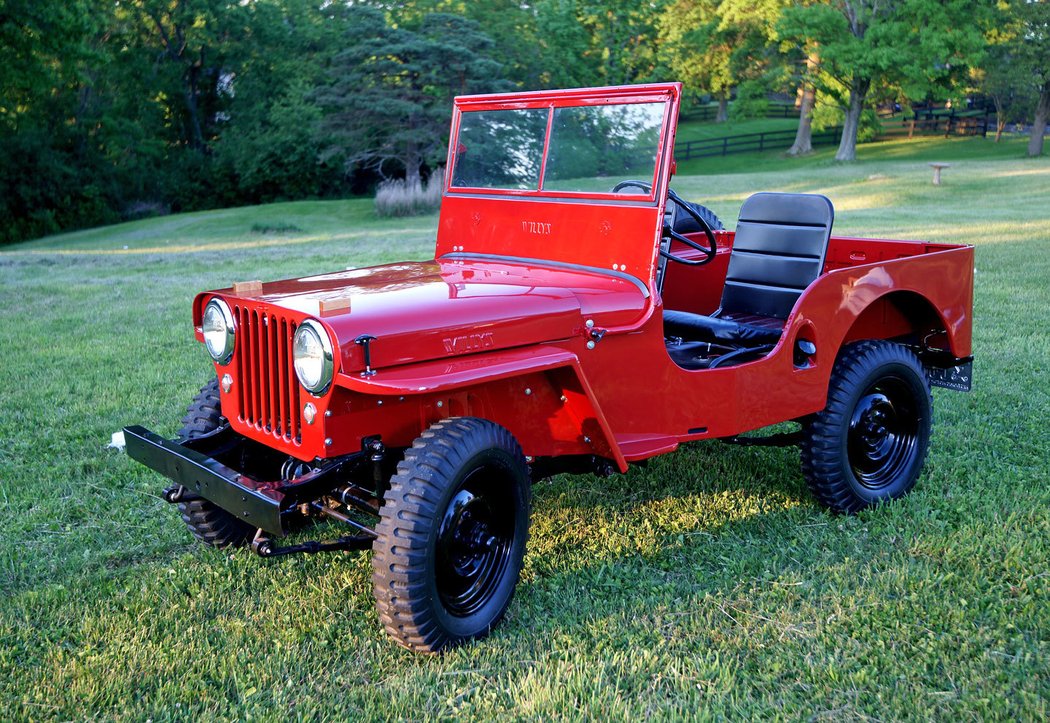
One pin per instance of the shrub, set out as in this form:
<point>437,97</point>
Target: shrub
<point>750,102</point>
<point>399,198</point>
<point>144,209</point>
<point>830,116</point>
<point>275,228</point>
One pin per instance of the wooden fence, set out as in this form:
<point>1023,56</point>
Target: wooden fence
<point>976,121</point>
<point>748,142</point>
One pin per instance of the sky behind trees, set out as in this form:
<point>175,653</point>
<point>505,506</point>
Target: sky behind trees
<point>114,110</point>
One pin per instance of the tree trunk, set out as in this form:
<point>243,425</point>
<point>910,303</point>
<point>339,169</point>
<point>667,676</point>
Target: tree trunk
<point>1000,117</point>
<point>1042,110</point>
<point>412,164</point>
<point>196,137</point>
<point>804,137</point>
<point>858,93</point>
<point>723,109</point>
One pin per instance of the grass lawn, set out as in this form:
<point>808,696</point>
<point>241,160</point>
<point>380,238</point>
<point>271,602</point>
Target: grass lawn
<point>707,584</point>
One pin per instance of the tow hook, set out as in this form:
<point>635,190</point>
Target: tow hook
<point>178,493</point>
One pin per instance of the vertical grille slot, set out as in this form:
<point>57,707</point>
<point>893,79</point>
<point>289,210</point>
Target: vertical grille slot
<point>268,391</point>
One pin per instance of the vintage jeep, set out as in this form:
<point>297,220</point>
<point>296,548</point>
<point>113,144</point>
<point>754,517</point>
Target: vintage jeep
<point>578,316</point>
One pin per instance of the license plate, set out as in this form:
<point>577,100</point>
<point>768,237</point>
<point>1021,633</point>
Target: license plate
<point>959,378</point>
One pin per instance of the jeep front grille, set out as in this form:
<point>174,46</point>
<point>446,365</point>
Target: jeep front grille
<point>268,391</point>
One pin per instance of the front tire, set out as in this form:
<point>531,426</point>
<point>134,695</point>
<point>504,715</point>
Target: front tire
<point>870,443</point>
<point>208,522</point>
<point>452,535</point>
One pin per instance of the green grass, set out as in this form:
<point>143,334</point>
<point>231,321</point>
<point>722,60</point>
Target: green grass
<point>707,584</point>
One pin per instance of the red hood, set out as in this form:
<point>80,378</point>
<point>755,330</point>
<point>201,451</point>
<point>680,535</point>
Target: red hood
<point>429,310</point>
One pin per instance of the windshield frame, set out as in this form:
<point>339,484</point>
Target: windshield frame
<point>664,93</point>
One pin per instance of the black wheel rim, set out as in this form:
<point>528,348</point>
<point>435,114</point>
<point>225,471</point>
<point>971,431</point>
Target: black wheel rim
<point>474,541</point>
<point>883,434</point>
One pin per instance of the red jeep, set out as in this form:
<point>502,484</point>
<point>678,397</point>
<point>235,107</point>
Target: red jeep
<point>578,316</point>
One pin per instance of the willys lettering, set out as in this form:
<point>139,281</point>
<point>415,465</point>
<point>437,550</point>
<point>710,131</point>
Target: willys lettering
<point>467,342</point>
<point>540,228</point>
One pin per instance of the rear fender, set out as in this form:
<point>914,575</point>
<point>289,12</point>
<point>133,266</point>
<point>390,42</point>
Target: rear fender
<point>902,313</point>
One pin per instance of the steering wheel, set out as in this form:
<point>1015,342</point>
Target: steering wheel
<point>709,252</point>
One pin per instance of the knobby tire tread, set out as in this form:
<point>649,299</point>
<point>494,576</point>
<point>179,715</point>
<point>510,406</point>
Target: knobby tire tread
<point>821,455</point>
<point>409,515</point>
<point>209,523</point>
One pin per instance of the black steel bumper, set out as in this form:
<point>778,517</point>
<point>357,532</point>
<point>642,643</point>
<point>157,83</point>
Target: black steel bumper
<point>194,467</point>
<point>251,500</point>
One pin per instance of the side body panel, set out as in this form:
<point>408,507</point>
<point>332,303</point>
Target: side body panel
<point>636,402</point>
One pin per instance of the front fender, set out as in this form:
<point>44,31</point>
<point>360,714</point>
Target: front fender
<point>487,375</point>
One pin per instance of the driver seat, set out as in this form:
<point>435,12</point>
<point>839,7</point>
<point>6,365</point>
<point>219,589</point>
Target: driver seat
<point>778,251</point>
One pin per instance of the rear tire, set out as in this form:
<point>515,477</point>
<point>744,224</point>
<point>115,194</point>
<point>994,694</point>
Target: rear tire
<point>452,534</point>
<point>870,443</point>
<point>209,523</point>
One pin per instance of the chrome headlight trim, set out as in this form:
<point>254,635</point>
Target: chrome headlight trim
<point>224,353</point>
<point>324,378</point>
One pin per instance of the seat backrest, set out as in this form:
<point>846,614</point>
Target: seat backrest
<point>779,249</point>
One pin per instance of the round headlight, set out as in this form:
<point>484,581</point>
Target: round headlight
<point>218,329</point>
<point>312,356</point>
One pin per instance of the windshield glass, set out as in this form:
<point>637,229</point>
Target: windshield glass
<point>500,149</point>
<point>591,148</point>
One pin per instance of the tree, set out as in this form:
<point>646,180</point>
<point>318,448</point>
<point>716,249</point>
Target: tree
<point>1006,82</point>
<point>54,161</point>
<point>917,45</point>
<point>268,143</point>
<point>623,38</point>
<point>804,135</point>
<point>1031,56</point>
<point>565,46</point>
<point>388,95</point>
<point>191,37</point>
<point>718,45</point>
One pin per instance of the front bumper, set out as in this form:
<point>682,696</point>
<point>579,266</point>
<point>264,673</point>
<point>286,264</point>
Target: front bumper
<point>193,465</point>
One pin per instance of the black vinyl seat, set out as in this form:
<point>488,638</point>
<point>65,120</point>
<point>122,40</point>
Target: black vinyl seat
<point>779,250</point>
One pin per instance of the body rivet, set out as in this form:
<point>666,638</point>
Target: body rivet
<point>590,345</point>
<point>328,442</point>
<point>440,405</point>
<point>527,391</point>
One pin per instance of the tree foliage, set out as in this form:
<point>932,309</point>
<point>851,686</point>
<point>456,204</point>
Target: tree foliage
<point>871,46</point>
<point>388,93</point>
<point>1017,74</point>
<point>717,46</point>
